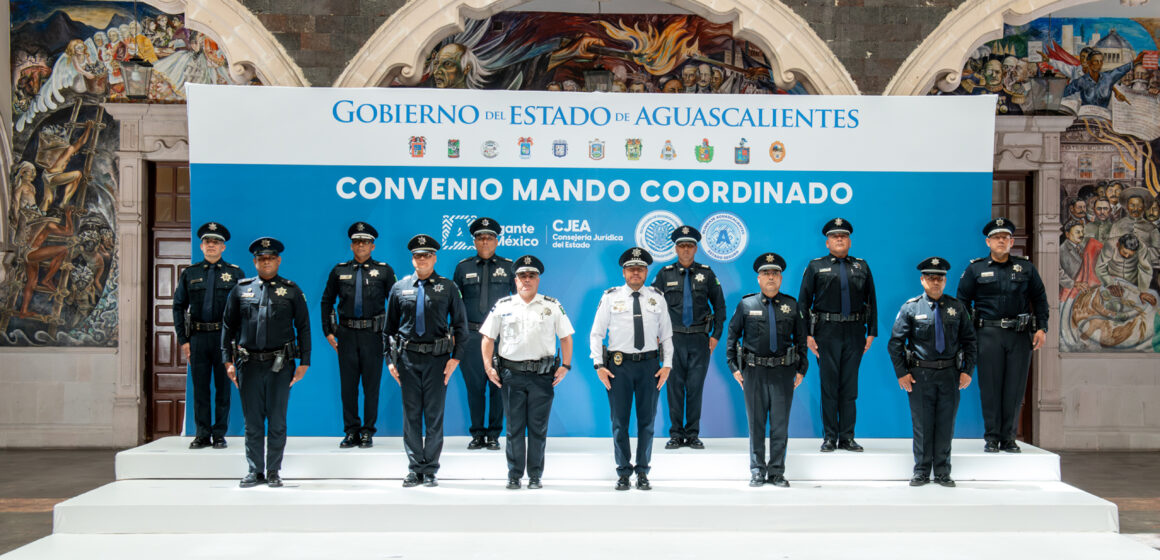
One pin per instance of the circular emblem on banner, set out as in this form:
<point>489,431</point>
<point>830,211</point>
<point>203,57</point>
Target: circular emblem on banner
<point>490,149</point>
<point>777,152</point>
<point>654,231</point>
<point>724,236</point>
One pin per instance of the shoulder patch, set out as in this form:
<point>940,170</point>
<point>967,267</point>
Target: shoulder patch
<point>504,259</point>
<point>235,266</point>
<point>655,291</point>
<point>381,263</point>
<point>288,282</point>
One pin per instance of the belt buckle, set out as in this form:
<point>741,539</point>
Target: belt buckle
<point>1007,323</point>
<point>617,358</point>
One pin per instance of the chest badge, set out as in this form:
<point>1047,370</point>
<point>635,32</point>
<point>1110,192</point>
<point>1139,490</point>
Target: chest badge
<point>437,287</point>
<point>951,312</point>
<point>499,272</point>
<point>652,301</point>
<point>547,311</point>
<point>280,291</point>
<point>699,277</point>
<point>374,273</point>
<point>617,358</point>
<point>226,277</point>
<point>785,308</point>
<point>1017,268</point>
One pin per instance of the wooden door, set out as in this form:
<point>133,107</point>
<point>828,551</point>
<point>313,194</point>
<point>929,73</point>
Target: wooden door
<point>1012,197</point>
<point>169,242</point>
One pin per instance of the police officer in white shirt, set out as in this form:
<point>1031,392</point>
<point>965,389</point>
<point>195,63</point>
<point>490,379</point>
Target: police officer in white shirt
<point>527,367</point>
<point>636,320</point>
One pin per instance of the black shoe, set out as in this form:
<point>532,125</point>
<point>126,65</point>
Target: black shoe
<point>757,480</point>
<point>351,440</point>
<point>695,443</point>
<point>534,483</point>
<point>513,484</point>
<point>991,447</point>
<point>199,443</point>
<point>366,441</point>
<point>219,442</point>
<point>493,443</point>
<point>476,443</point>
<point>919,480</point>
<point>642,482</point>
<point>430,481</point>
<point>273,480</point>
<point>850,445</point>
<point>412,480</point>
<point>251,480</point>
<point>1010,446</point>
<point>778,480</point>
<point>622,483</point>
<point>944,480</point>
<point>673,443</point>
<point>828,445</point>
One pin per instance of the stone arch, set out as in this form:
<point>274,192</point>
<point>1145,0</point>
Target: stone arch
<point>249,47</point>
<point>399,47</point>
<point>939,60</point>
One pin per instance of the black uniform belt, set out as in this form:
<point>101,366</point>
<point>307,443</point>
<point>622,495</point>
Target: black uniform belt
<point>839,318</point>
<point>1012,323</point>
<point>788,359</point>
<point>474,326</point>
<point>526,366</point>
<point>357,323</point>
<point>262,356</point>
<point>626,357</point>
<point>438,348</point>
<point>693,329</point>
<point>935,364</point>
<point>205,327</point>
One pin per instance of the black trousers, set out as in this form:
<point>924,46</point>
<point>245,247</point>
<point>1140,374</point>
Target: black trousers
<point>207,368</point>
<point>633,380</point>
<point>360,358</point>
<point>768,397</point>
<point>934,401</point>
<point>421,377</point>
<point>483,398</point>
<point>527,400</point>
<point>687,383</point>
<point>840,347</point>
<point>1004,360</point>
<point>265,397</point>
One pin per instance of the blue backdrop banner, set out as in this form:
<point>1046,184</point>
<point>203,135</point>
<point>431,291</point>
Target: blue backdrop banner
<point>575,179</point>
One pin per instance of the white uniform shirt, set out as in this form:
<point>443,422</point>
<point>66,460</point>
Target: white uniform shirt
<point>526,331</point>
<point>614,317</point>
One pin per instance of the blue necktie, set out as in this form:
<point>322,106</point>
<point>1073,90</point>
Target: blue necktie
<point>358,285</point>
<point>263,317</point>
<point>845,282</point>
<point>939,342</point>
<point>687,303</point>
<point>420,311</point>
<point>207,303</point>
<point>772,328</point>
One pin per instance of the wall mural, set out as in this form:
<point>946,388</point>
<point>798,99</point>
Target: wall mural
<point>1104,72</point>
<point>60,283</point>
<point>580,52</point>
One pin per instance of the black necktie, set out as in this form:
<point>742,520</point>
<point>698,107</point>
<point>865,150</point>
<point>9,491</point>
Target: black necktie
<point>263,317</point>
<point>845,283</point>
<point>358,287</point>
<point>207,303</point>
<point>772,327</point>
<point>939,338</point>
<point>421,310</point>
<point>484,307</point>
<point>637,322</point>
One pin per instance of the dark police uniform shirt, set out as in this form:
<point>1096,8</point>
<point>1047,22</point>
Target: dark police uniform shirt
<point>914,330</point>
<point>191,293</point>
<point>821,290</point>
<point>378,277</point>
<point>750,325</point>
<point>443,299</point>
<point>706,290</point>
<point>289,318</point>
<point>501,280</point>
<point>1004,290</point>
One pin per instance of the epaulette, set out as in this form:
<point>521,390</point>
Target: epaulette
<point>705,266</point>
<point>750,295</point>
<point>505,259</point>
<point>973,261</point>
<point>288,282</point>
<point>381,263</point>
<point>913,299</point>
<point>501,300</point>
<point>1020,258</point>
<point>610,290</point>
<point>658,292</point>
<point>343,263</point>
<point>787,296</point>
<point>235,266</point>
<point>669,267</point>
<point>461,261</point>
<point>547,298</point>
<point>245,281</point>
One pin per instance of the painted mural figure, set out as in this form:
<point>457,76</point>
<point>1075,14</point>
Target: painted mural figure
<point>1096,87</point>
<point>58,156</point>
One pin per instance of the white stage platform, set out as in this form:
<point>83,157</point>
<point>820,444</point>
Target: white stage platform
<point>582,459</point>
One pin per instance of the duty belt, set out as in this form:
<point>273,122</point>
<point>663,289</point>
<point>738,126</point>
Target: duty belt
<point>771,361</point>
<point>357,323</point>
<point>439,347</point>
<point>474,326</point>
<point>934,364</point>
<point>626,357</point>
<point>205,327</point>
<point>694,329</point>
<point>262,356</point>
<point>1001,323</point>
<point>839,318</point>
<point>526,366</point>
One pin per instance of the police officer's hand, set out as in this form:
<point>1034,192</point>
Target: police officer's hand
<point>232,373</point>
<point>1040,338</point>
<point>965,380</point>
<point>906,382</point>
<point>812,345</point>
<point>712,344</point>
<point>449,369</point>
<point>869,341</point>
<point>604,376</point>
<point>299,373</point>
<point>559,375</point>
<point>394,373</point>
<point>493,375</point>
<point>663,375</point>
<point>797,380</point>
<point>185,351</point>
<point>332,340</point>
<point>739,378</point>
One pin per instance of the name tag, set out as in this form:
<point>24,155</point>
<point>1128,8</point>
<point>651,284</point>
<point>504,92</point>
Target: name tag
<point>196,280</point>
<point>408,292</point>
<point>825,270</point>
<point>987,274</point>
<point>471,275</point>
<point>756,313</point>
<point>920,316</point>
<point>248,294</point>
<point>345,276</point>
<point>671,283</point>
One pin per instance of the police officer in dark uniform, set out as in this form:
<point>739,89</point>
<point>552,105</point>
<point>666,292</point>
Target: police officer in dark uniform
<point>425,332</point>
<point>837,294</point>
<point>640,337</point>
<point>932,347</point>
<point>690,289</point>
<point>483,280</point>
<point>766,352</point>
<point>526,366</point>
<point>198,303</point>
<point>266,327</point>
<point>361,286</point>
<point>1010,313</point>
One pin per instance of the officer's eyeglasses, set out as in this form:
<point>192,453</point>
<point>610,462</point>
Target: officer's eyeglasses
<point>361,242</point>
<point>422,256</point>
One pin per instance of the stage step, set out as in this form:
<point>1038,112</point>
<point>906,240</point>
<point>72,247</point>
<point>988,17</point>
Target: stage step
<point>219,506</point>
<point>574,458</point>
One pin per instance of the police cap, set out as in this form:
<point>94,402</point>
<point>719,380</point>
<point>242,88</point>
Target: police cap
<point>999,225</point>
<point>266,246</point>
<point>213,230</point>
<point>529,263</point>
<point>482,226</point>
<point>934,265</point>
<point>362,230</point>
<point>422,243</point>
<point>686,234</point>
<point>837,225</point>
<point>635,256</point>
<point>769,261</point>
